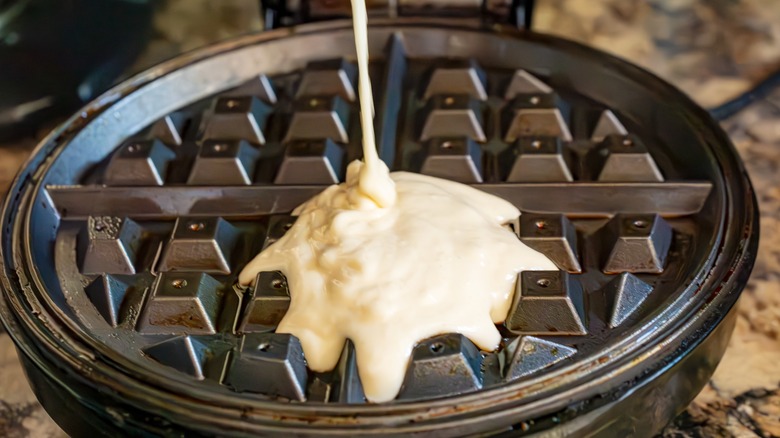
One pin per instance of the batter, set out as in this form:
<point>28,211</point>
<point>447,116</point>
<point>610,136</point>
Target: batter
<point>388,259</point>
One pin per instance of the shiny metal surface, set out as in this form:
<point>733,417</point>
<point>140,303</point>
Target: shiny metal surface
<point>637,318</point>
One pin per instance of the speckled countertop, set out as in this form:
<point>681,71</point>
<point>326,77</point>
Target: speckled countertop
<point>710,49</point>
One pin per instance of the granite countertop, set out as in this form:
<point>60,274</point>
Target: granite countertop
<point>712,50</point>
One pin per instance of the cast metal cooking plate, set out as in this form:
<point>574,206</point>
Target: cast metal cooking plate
<point>123,236</point>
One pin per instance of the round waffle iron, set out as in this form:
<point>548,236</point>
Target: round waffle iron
<point>124,234</point>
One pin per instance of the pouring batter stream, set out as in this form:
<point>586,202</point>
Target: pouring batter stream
<point>389,259</point>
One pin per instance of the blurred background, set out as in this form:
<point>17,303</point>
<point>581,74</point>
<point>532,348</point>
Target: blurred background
<point>56,55</point>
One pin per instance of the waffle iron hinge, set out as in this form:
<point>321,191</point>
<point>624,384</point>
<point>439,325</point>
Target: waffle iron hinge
<point>281,13</point>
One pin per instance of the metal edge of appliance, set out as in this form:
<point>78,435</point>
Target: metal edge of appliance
<point>647,384</point>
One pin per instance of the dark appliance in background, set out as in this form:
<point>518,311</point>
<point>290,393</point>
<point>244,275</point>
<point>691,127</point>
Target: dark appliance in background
<point>56,55</point>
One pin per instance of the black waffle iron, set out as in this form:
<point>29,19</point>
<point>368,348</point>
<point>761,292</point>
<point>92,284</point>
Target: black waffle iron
<point>124,233</point>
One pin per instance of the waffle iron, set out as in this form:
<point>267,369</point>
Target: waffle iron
<point>125,231</point>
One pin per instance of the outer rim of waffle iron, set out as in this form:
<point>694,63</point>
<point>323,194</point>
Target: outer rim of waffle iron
<point>54,349</point>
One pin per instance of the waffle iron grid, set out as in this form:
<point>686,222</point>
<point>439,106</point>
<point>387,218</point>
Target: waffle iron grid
<point>602,201</point>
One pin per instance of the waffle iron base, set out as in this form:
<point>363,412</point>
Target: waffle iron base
<point>124,233</point>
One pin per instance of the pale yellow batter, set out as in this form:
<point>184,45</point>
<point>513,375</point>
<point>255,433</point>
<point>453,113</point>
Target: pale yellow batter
<point>387,260</point>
